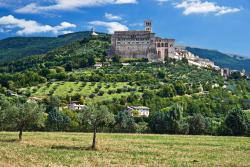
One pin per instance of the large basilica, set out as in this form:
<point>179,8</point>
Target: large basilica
<point>142,44</point>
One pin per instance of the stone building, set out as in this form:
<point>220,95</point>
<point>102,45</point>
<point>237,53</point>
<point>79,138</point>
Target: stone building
<point>141,44</point>
<point>142,111</point>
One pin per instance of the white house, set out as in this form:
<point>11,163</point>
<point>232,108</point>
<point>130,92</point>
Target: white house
<point>142,110</point>
<point>74,106</point>
<point>125,64</point>
<point>98,65</point>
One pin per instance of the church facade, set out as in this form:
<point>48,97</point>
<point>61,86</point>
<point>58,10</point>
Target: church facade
<point>142,44</point>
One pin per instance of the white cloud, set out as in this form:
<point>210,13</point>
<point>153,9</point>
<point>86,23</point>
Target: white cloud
<point>28,27</point>
<point>203,7</point>
<point>110,16</point>
<point>136,24</point>
<point>161,2</point>
<point>69,5</point>
<point>67,32</point>
<point>111,26</point>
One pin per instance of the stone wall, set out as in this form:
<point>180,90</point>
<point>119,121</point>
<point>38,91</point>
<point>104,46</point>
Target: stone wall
<point>141,44</point>
<point>132,44</point>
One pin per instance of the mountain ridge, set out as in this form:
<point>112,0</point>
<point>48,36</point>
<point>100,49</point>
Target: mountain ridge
<point>14,48</point>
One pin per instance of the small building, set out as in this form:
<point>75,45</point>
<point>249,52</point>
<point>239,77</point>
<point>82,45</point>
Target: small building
<point>125,64</point>
<point>98,65</point>
<point>225,72</point>
<point>142,110</point>
<point>93,33</point>
<point>76,107</point>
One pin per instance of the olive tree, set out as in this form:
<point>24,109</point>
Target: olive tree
<point>237,122</point>
<point>96,117</point>
<point>26,115</point>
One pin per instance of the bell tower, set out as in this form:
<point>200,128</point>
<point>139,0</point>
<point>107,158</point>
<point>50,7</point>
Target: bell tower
<point>148,25</point>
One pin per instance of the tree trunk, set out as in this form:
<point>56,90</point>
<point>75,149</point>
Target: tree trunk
<point>21,134</point>
<point>94,139</point>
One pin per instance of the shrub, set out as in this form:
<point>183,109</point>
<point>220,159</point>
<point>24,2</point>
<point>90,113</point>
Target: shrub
<point>92,96</point>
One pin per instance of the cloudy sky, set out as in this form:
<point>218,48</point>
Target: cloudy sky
<point>213,24</point>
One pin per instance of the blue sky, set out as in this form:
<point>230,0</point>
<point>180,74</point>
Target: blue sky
<point>215,24</point>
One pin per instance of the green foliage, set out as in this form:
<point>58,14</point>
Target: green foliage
<point>116,58</point>
<point>182,99</point>
<point>236,122</point>
<point>158,122</point>
<point>197,124</point>
<point>19,47</point>
<point>96,117</point>
<point>22,116</point>
<point>174,117</point>
<point>58,121</point>
<point>124,122</point>
<point>168,91</point>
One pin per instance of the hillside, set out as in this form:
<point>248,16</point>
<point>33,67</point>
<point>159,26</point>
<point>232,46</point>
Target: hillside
<point>221,59</point>
<point>67,74</point>
<point>15,48</point>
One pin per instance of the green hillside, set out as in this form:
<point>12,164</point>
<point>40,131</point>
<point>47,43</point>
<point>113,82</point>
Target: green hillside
<point>15,48</point>
<point>182,99</point>
<point>222,59</point>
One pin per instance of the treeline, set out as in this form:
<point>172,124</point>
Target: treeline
<point>19,115</point>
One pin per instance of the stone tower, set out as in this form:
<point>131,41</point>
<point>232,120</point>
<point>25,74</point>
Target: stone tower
<point>148,25</point>
<point>93,33</point>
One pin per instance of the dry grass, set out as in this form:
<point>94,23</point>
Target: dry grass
<point>71,149</point>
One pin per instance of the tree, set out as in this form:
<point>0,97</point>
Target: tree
<point>237,122</point>
<point>103,59</point>
<point>96,117</point>
<point>26,115</point>
<point>197,124</point>
<point>174,119</point>
<point>57,120</point>
<point>147,96</point>
<point>161,74</point>
<point>180,88</point>
<point>168,91</point>
<point>116,59</point>
<point>69,67</point>
<point>124,121</point>
<point>158,122</point>
<point>91,60</point>
<point>4,106</point>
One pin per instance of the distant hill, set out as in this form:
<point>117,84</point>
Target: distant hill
<point>15,48</point>
<point>222,59</point>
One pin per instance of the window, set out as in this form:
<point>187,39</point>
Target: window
<point>166,44</point>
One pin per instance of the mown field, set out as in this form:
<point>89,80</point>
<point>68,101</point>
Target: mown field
<point>71,149</point>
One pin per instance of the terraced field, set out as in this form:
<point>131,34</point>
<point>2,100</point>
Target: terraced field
<point>64,89</point>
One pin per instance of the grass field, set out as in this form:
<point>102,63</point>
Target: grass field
<point>71,149</point>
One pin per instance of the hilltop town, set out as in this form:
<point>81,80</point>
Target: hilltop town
<point>145,44</point>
